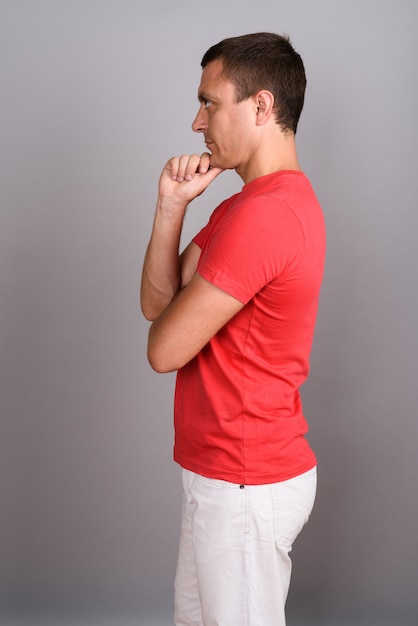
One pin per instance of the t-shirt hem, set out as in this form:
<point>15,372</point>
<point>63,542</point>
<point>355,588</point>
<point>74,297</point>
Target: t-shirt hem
<point>246,477</point>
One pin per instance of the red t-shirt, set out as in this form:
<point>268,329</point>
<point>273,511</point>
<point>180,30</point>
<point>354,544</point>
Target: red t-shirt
<point>238,413</point>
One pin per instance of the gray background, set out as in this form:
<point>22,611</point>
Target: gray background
<point>95,96</point>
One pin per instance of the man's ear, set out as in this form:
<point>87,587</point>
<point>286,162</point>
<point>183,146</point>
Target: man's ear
<point>264,101</point>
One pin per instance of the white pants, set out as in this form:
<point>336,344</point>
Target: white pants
<point>234,567</point>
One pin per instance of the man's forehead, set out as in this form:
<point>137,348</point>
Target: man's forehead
<point>213,80</point>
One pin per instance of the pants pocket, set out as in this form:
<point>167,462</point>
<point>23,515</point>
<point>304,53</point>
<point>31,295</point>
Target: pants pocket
<point>293,501</point>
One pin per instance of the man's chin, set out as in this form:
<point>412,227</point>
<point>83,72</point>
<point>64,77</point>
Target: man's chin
<point>220,165</point>
<point>216,162</point>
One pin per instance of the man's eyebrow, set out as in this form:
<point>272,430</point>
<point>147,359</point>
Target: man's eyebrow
<point>202,96</point>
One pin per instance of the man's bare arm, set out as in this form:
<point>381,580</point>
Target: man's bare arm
<point>165,272</point>
<point>188,323</point>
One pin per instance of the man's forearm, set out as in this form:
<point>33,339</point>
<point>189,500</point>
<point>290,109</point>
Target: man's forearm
<point>182,179</point>
<point>161,271</point>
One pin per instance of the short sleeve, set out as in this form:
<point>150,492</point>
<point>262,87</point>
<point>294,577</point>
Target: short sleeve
<point>249,245</point>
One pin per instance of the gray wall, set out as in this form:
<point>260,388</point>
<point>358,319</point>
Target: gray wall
<point>95,96</point>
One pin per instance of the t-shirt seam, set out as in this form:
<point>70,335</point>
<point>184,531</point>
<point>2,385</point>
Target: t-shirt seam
<point>243,375</point>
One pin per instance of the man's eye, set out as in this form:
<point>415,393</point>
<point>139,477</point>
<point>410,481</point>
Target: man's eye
<point>207,103</point>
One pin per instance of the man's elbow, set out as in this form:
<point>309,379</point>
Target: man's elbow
<point>152,308</point>
<point>160,362</point>
<point>149,310</point>
<point>149,315</point>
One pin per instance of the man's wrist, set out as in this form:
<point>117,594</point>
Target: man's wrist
<point>171,207</point>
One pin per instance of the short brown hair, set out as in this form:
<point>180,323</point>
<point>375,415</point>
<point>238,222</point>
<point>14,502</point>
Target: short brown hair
<point>264,61</point>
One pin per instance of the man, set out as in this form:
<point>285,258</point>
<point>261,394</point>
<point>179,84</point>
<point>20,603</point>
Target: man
<point>235,314</point>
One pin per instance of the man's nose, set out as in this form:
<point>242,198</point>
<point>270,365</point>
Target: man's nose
<point>200,121</point>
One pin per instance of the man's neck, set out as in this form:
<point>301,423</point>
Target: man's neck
<point>273,157</point>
